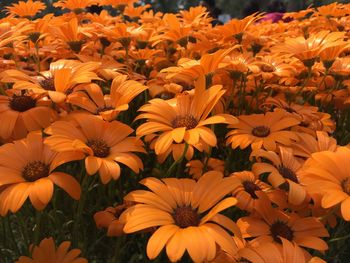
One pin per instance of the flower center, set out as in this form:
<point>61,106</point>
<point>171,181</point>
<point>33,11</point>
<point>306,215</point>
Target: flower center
<point>267,68</point>
<point>187,121</point>
<point>35,170</point>
<point>261,131</point>
<point>75,45</point>
<point>345,184</point>
<point>185,216</point>
<point>251,187</point>
<point>99,147</point>
<point>281,229</point>
<point>34,36</point>
<point>48,84</point>
<point>288,173</point>
<point>22,103</point>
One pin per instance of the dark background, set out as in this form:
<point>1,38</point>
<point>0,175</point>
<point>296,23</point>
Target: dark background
<point>235,8</point>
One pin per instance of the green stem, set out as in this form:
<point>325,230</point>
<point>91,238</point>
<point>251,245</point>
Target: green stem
<point>38,219</point>
<point>339,238</point>
<point>172,167</point>
<point>79,211</point>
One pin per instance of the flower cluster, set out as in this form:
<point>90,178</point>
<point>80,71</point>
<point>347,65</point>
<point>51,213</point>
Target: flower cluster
<point>238,134</point>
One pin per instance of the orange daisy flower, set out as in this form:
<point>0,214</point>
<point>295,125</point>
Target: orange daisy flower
<point>245,192</point>
<point>197,168</point>
<point>71,34</point>
<point>46,251</point>
<point>109,218</point>
<point>75,5</point>
<point>305,113</point>
<point>23,112</point>
<point>309,144</point>
<point>26,9</point>
<point>308,49</point>
<point>235,28</point>
<point>59,81</point>
<point>27,170</point>
<point>271,225</point>
<point>122,91</point>
<point>185,120</point>
<point>284,172</point>
<point>187,213</point>
<point>103,144</point>
<point>263,130</point>
<point>326,173</point>
<point>189,70</point>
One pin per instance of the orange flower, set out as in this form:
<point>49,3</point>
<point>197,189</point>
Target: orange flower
<point>271,225</point>
<point>263,130</point>
<point>60,80</point>
<point>91,98</point>
<point>117,2</point>
<point>22,112</point>
<point>332,10</point>
<point>103,144</point>
<point>326,173</point>
<point>72,35</point>
<point>26,170</point>
<point>75,5</point>
<point>274,68</point>
<point>197,168</point>
<point>185,120</point>
<point>109,218</point>
<point>284,172</point>
<point>245,192</point>
<point>235,28</point>
<point>308,49</point>
<point>189,70</point>
<point>341,67</point>
<point>187,213</point>
<point>288,252</point>
<point>46,252</point>
<point>304,113</point>
<point>26,9</point>
<point>309,144</point>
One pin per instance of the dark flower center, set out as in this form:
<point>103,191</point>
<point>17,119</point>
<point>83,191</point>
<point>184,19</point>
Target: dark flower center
<point>281,229</point>
<point>288,173</point>
<point>267,68</point>
<point>75,45</point>
<point>48,84</point>
<point>261,131</point>
<point>251,187</point>
<point>22,103</point>
<point>99,147</point>
<point>185,216</point>
<point>187,121</point>
<point>35,170</point>
<point>34,36</point>
<point>345,184</point>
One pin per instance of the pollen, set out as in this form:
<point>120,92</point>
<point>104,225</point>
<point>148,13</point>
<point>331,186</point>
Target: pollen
<point>35,170</point>
<point>99,147</point>
<point>261,131</point>
<point>22,103</point>
<point>187,121</point>
<point>185,217</point>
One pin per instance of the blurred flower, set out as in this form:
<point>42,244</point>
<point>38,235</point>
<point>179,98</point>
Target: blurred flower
<point>46,252</point>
